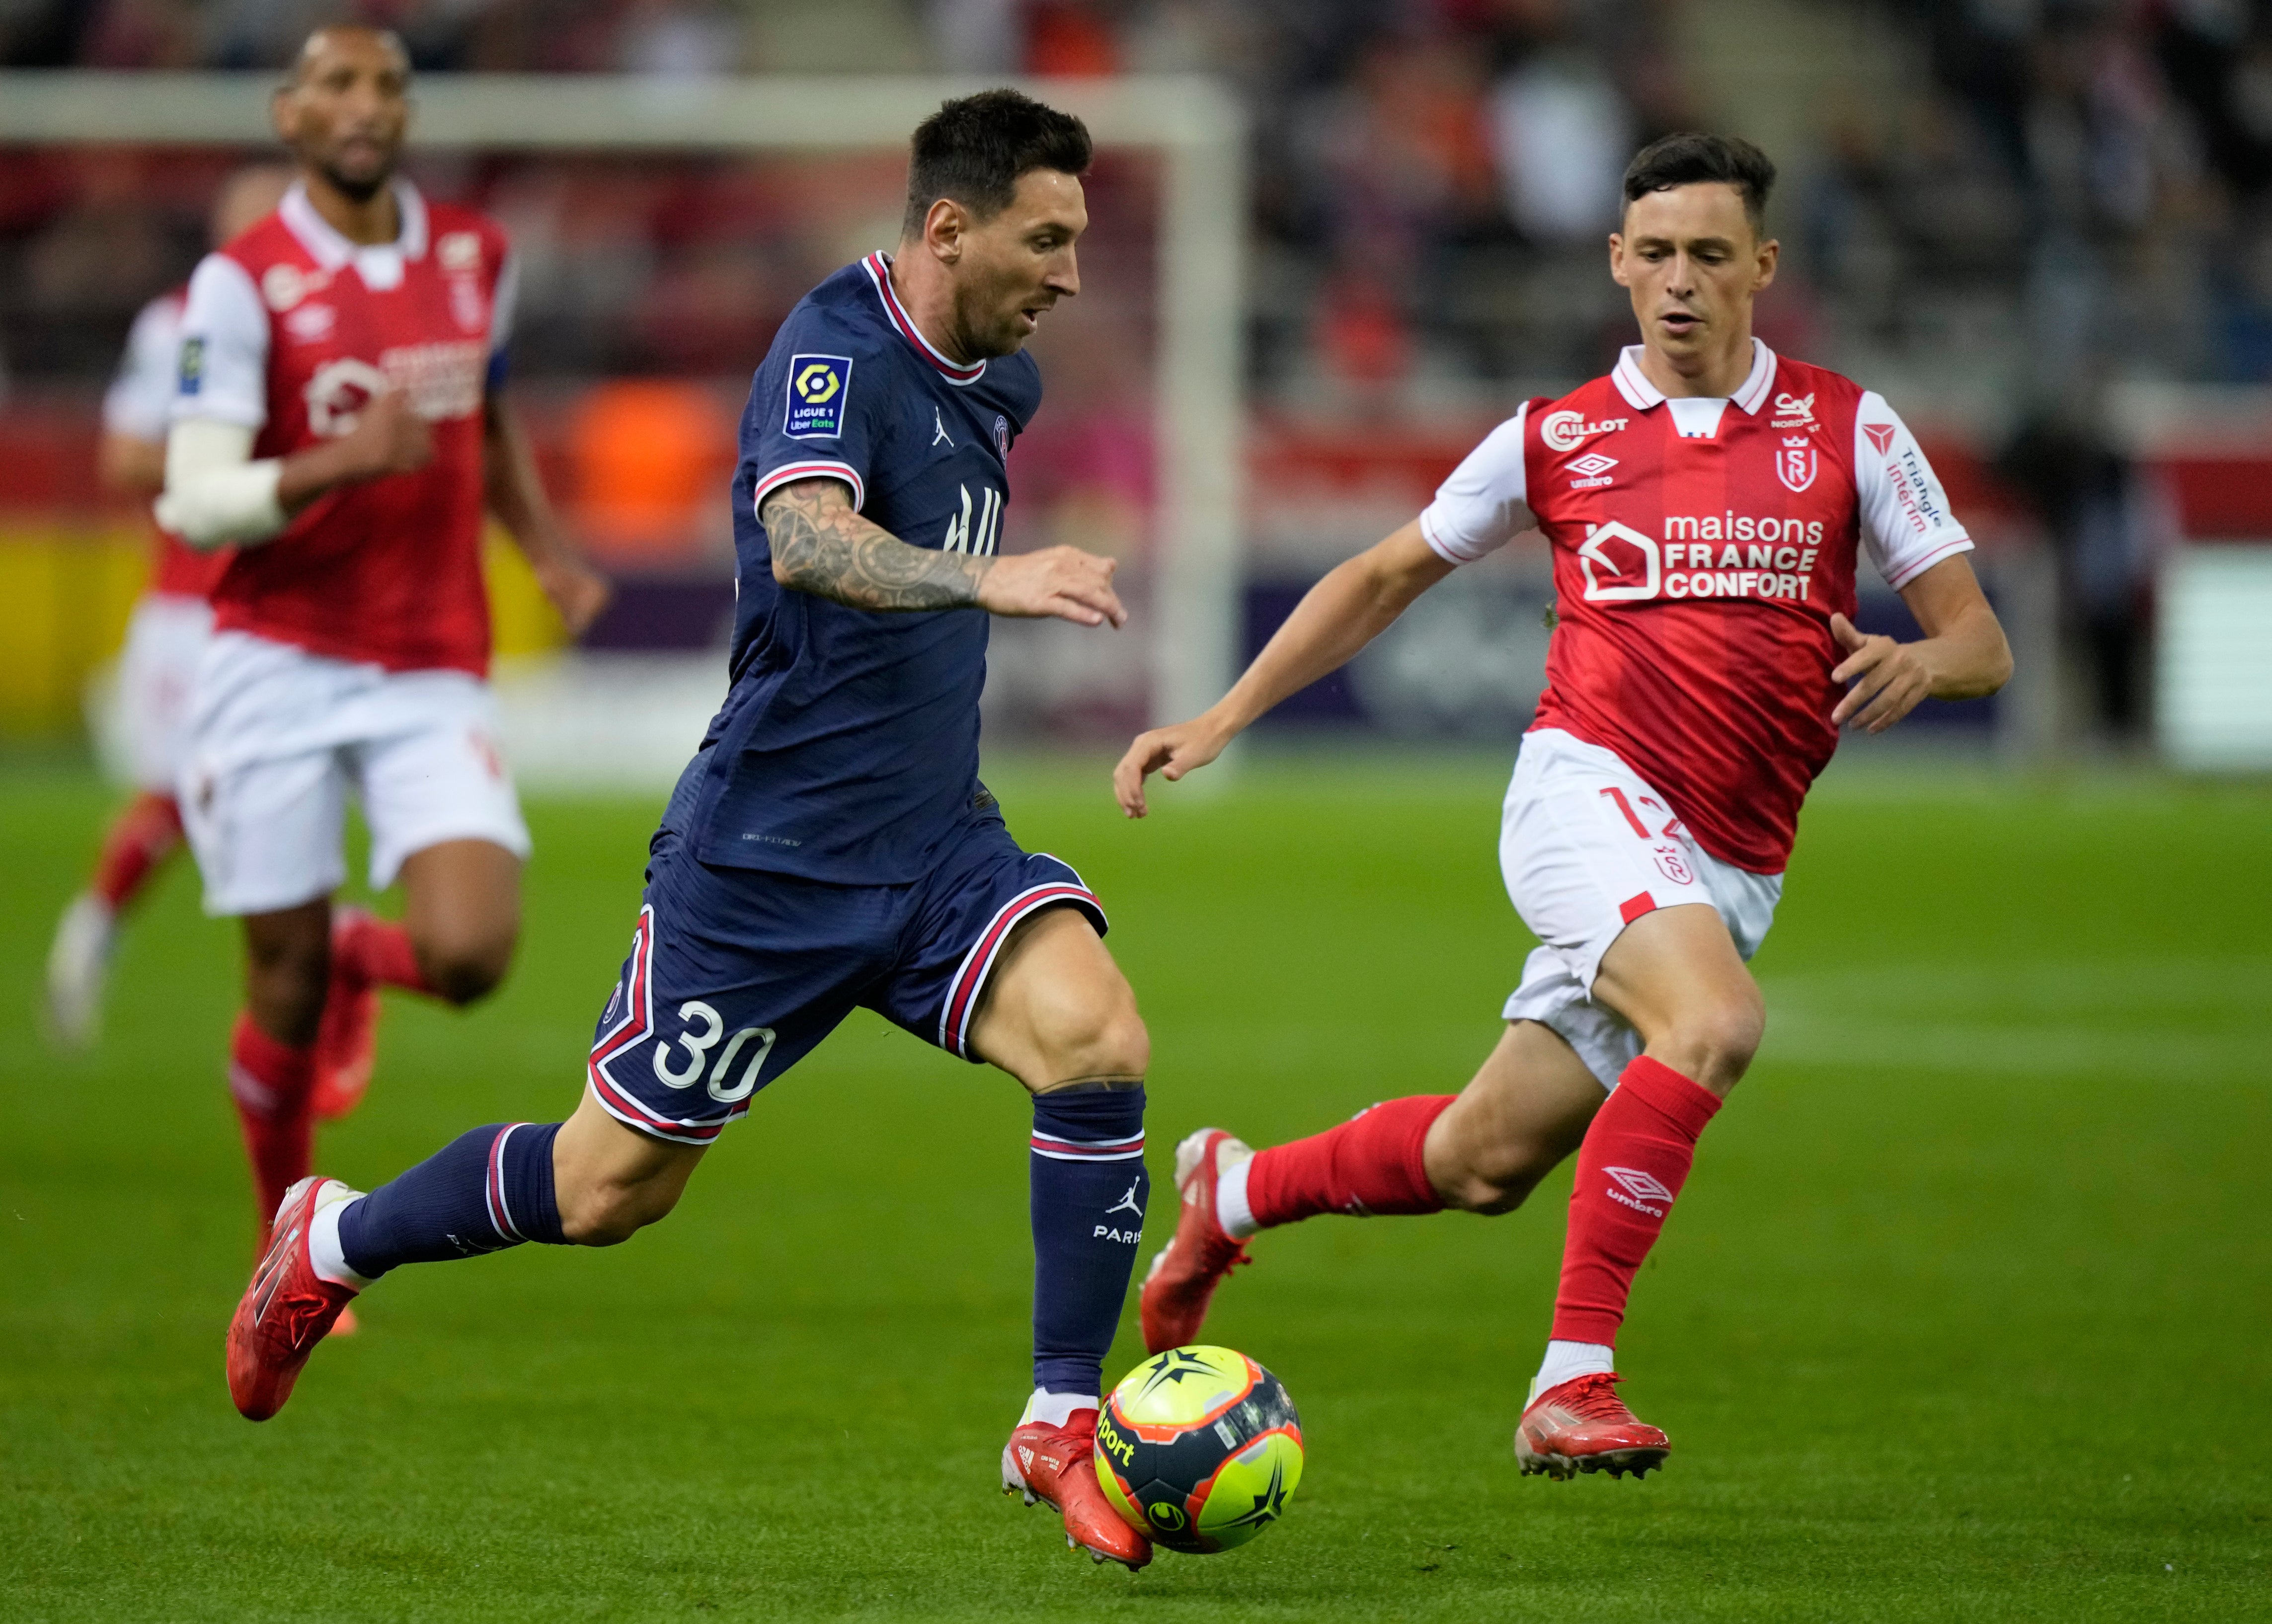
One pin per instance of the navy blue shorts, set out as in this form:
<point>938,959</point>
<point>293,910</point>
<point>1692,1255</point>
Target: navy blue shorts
<point>736,975</point>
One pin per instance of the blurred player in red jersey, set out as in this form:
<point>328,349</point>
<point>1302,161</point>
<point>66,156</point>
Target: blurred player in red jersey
<point>337,422</point>
<point>163,640</point>
<point>1705,503</point>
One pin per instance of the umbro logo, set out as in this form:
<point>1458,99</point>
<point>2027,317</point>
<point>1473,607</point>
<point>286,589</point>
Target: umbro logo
<point>1881,436</point>
<point>1593,471</point>
<point>1642,1191</point>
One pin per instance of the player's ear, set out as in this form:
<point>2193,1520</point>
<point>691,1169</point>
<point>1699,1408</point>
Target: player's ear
<point>1770,256</point>
<point>1617,259</point>
<point>280,106</point>
<point>944,227</point>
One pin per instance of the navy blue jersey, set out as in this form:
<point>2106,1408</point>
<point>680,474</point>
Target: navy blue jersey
<point>847,748</point>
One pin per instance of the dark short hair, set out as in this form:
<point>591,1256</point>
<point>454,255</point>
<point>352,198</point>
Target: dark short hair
<point>1688,159</point>
<point>975,148</point>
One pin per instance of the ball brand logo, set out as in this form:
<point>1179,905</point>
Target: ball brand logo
<point>1620,564</point>
<point>1881,436</point>
<point>1639,1191</point>
<point>1165,1514</point>
<point>1796,464</point>
<point>1568,431</point>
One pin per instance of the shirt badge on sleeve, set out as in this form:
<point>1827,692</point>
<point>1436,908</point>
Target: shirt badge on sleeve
<point>817,387</point>
<point>193,365</point>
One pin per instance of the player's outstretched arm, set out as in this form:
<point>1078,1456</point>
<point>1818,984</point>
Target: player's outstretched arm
<point>216,496</point>
<point>822,546</point>
<point>516,495</point>
<point>1339,615</point>
<point>1962,655</point>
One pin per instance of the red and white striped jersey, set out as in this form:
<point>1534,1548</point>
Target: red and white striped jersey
<point>1701,547</point>
<point>291,329</point>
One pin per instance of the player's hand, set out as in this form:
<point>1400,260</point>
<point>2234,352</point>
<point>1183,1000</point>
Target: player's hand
<point>1171,752</point>
<point>1887,679</point>
<point>577,590</point>
<point>388,438</point>
<point>1060,582</point>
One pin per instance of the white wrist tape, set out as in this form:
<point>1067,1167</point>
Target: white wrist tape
<point>214,496</point>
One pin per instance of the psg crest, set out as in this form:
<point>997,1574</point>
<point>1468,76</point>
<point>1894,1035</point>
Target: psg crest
<point>1795,463</point>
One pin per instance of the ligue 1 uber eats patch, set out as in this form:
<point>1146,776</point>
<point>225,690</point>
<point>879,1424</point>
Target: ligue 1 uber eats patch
<point>817,387</point>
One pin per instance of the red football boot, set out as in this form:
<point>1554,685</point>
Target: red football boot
<point>286,1310</point>
<point>1583,1425</point>
<point>1181,1282</point>
<point>1056,1465</point>
<point>347,1042</point>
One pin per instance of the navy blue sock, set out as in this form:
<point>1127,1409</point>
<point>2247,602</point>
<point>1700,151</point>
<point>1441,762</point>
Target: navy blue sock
<point>483,1191</point>
<point>1086,1166</point>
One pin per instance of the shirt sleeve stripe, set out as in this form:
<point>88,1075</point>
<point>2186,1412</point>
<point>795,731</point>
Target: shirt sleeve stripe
<point>794,471</point>
<point>1956,544</point>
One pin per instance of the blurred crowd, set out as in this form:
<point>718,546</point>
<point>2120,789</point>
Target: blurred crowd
<point>2027,192</point>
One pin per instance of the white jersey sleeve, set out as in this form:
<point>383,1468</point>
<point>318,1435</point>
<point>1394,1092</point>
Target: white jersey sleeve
<point>140,403</point>
<point>224,363</point>
<point>1486,502</point>
<point>1906,523</point>
<point>504,300</point>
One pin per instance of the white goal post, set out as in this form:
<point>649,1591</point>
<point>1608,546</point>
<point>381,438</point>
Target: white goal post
<point>1189,123</point>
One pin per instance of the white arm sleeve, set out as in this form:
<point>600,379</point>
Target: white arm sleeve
<point>214,496</point>
<point>224,361</point>
<point>1906,523</point>
<point>1486,502</point>
<point>140,401</point>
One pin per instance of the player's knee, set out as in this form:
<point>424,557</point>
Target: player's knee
<point>1100,1036</point>
<point>606,1212</point>
<point>286,980</point>
<point>465,969</point>
<point>1719,1038</point>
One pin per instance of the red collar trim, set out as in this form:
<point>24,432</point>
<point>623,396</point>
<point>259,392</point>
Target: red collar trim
<point>878,267</point>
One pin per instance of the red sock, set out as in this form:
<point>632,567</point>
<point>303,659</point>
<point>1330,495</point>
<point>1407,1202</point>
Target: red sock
<point>1635,1159</point>
<point>270,1083</point>
<point>1370,1166</point>
<point>376,951</point>
<point>142,836</point>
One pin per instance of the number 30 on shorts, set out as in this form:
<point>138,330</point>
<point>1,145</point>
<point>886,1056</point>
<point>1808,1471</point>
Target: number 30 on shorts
<point>698,1045</point>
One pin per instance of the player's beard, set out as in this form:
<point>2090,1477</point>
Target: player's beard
<point>356,188</point>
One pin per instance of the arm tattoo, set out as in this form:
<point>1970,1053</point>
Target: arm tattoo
<point>821,546</point>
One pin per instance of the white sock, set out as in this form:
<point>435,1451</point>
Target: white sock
<point>1230,1209</point>
<point>1055,1408</point>
<point>1565,1361</point>
<point>324,1237</point>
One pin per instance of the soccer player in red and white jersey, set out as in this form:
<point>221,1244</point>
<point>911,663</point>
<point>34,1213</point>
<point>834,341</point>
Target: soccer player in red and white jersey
<point>163,638</point>
<point>1706,504</point>
<point>337,423</point>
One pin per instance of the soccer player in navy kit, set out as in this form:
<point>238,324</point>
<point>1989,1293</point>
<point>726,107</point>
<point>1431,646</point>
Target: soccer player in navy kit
<point>831,847</point>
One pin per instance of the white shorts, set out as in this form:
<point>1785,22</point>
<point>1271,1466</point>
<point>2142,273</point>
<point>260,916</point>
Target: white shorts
<point>281,737</point>
<point>1587,847</point>
<point>156,674</point>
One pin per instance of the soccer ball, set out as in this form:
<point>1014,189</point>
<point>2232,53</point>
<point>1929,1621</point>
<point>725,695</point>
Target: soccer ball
<point>1200,1448</point>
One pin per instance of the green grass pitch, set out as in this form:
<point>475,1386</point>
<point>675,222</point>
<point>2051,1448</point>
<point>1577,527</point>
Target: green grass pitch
<point>1965,1314</point>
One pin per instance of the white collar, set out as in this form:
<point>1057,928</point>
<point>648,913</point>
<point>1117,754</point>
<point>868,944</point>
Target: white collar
<point>332,250</point>
<point>878,267</point>
<point>1642,395</point>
